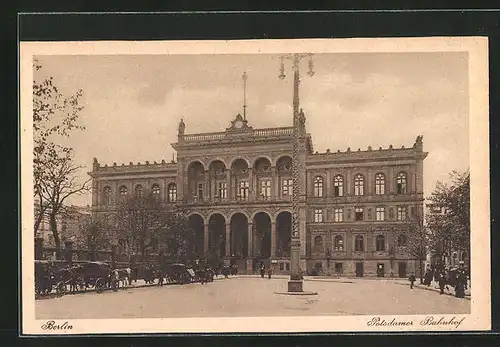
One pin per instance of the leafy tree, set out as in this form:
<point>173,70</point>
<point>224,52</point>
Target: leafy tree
<point>414,239</point>
<point>55,116</point>
<point>148,226</point>
<point>95,236</point>
<point>449,218</point>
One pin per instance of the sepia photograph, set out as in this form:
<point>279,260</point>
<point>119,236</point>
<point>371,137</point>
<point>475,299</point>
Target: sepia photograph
<point>255,186</point>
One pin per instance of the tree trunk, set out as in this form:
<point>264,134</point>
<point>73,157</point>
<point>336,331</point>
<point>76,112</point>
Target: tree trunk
<point>421,271</point>
<point>39,218</point>
<point>55,233</point>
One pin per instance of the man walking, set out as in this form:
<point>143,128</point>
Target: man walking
<point>412,280</point>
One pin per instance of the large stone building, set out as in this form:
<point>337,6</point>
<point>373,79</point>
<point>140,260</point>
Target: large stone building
<point>237,186</point>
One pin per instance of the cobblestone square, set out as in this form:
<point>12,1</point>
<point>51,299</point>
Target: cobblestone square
<point>243,296</point>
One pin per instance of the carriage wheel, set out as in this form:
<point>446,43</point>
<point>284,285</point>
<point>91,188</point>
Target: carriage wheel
<point>99,285</point>
<point>61,288</point>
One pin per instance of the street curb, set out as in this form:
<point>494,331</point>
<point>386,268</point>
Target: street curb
<point>432,289</point>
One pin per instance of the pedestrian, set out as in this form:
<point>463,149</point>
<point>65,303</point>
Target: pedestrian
<point>442,282</point>
<point>269,272</point>
<point>262,271</point>
<point>412,280</point>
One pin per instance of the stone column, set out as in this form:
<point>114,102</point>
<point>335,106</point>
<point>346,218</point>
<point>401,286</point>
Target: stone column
<point>275,184</point>
<point>369,187</point>
<point>250,240</point>
<point>228,239</point>
<point>206,190</point>
<point>328,185</point>
<point>391,180</point>
<point>229,187</point>
<point>251,185</point>
<point>273,239</point>
<point>348,183</point>
<point>205,239</point>
<point>163,193</point>
<point>180,179</point>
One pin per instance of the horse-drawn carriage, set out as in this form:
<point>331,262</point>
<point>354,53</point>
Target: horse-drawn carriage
<point>48,278</point>
<point>94,274</point>
<point>178,273</point>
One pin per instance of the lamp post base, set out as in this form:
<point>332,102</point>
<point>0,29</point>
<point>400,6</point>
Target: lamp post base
<point>295,286</point>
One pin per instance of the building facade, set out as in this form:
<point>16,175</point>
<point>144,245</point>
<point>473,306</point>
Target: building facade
<point>70,225</point>
<point>236,186</point>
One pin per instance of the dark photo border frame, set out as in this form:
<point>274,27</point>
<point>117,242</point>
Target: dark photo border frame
<point>230,25</point>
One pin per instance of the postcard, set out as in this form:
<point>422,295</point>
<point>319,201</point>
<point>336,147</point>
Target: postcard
<point>271,186</point>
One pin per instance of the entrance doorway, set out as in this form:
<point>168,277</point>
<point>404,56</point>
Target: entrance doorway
<point>262,235</point>
<point>195,222</point>
<point>359,269</point>
<point>380,270</point>
<point>402,270</point>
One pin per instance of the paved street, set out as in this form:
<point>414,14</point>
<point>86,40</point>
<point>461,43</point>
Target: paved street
<point>250,296</point>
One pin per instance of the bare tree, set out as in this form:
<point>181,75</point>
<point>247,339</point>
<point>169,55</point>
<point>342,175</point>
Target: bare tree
<point>54,117</point>
<point>60,182</point>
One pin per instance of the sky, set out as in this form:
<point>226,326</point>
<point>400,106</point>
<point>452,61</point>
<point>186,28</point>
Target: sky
<point>133,103</point>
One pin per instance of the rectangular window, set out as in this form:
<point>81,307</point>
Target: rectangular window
<point>222,190</point>
<point>286,187</point>
<point>318,215</point>
<point>359,213</point>
<point>338,215</point>
<point>380,213</point>
<point>243,190</point>
<point>265,189</point>
<point>380,243</point>
<point>401,214</point>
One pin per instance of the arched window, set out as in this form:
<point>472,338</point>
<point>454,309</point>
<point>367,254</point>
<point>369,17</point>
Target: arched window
<point>380,243</point>
<point>318,186</point>
<point>359,186</point>
<point>338,186</point>
<point>172,192</point>
<point>401,183</point>
<point>379,184</point>
<point>318,244</point>
<point>155,189</point>
<point>106,196</point>
<point>139,190</point>
<point>402,241</point>
<point>338,243</point>
<point>359,243</point>
<point>123,191</point>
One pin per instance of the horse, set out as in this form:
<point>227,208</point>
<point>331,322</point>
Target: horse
<point>123,276</point>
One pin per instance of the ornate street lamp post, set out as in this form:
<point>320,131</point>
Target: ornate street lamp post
<point>295,282</point>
